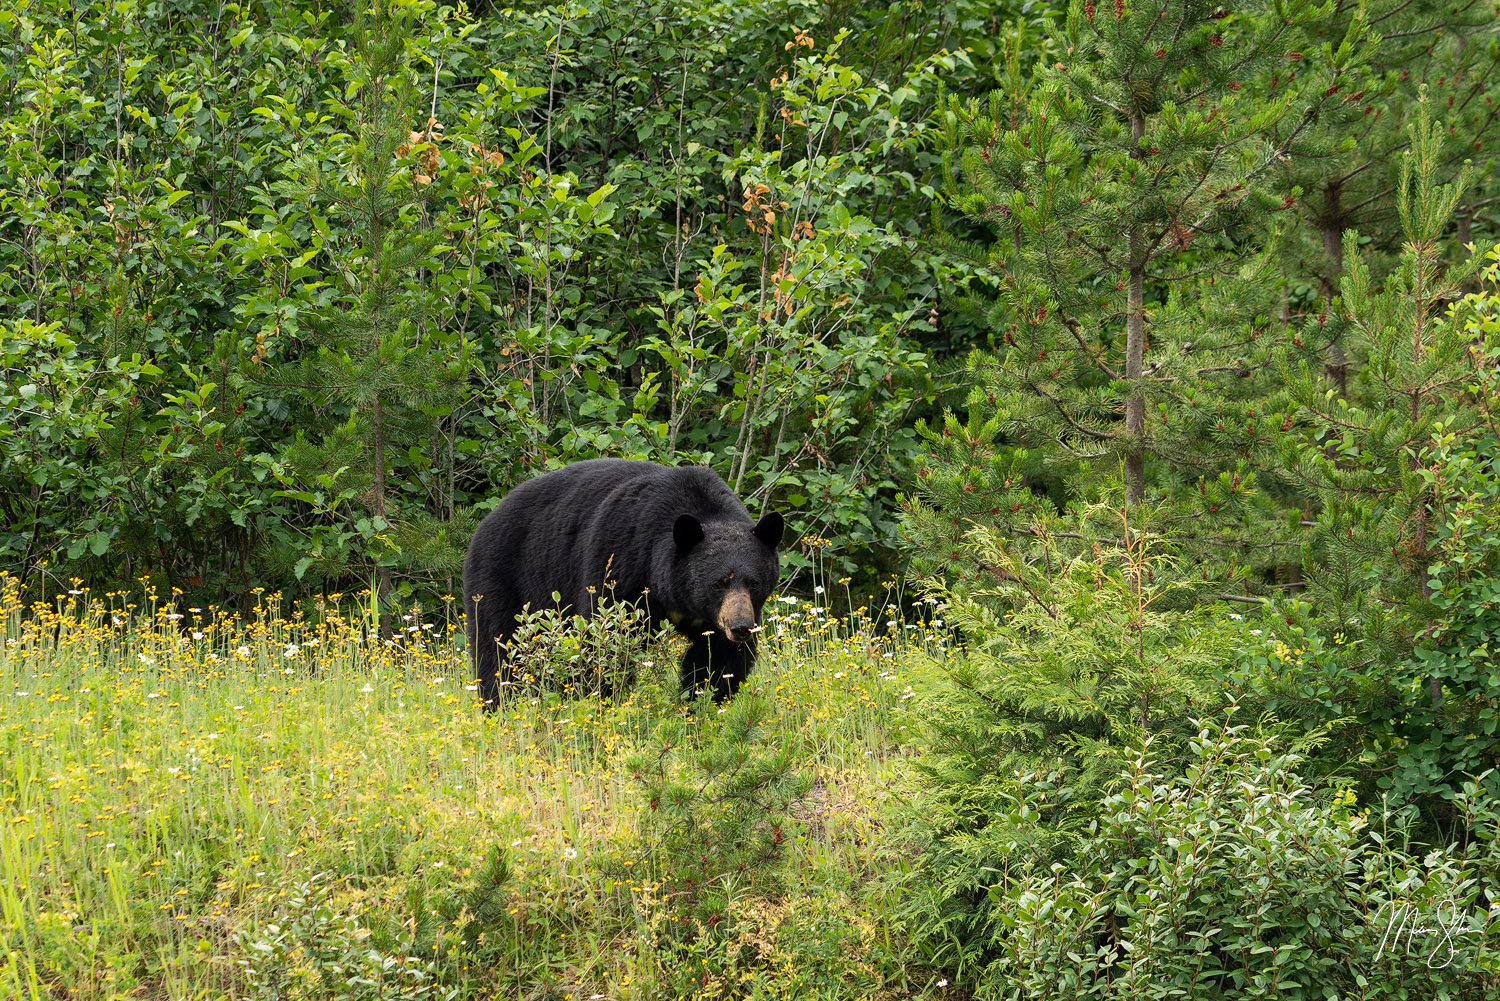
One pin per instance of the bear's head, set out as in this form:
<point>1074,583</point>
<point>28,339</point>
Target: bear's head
<point>725,571</point>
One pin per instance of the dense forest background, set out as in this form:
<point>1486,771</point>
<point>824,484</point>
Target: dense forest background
<point>241,352</point>
<point>693,236</point>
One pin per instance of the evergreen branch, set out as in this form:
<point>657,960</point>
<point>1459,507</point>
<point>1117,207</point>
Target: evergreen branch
<point>1062,412</point>
<point>1075,328</point>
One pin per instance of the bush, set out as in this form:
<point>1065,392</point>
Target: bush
<point>716,807</point>
<point>1233,881</point>
<point>557,650</point>
<point>311,950</point>
<point>1075,654</point>
<point>1460,735</point>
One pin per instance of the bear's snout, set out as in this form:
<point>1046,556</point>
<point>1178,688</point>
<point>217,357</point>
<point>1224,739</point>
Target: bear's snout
<point>736,618</point>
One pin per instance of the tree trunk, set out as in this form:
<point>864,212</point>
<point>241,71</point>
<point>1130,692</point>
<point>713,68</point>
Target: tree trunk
<point>1331,228</point>
<point>1135,354</point>
<point>1419,541</point>
<point>1135,360</point>
<point>377,422</point>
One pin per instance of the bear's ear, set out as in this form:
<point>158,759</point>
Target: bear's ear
<point>769,529</point>
<point>687,532</point>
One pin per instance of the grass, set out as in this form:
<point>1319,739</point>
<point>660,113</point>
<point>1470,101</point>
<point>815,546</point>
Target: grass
<point>202,806</point>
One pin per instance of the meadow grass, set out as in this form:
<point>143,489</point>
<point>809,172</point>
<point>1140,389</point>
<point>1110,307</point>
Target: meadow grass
<point>199,805</point>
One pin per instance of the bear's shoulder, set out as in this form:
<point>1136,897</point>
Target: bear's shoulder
<point>702,492</point>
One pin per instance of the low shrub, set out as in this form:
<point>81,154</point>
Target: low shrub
<point>716,805</point>
<point>309,949</point>
<point>1232,880</point>
<point>555,649</point>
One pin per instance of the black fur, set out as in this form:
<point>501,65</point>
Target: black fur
<point>676,530</point>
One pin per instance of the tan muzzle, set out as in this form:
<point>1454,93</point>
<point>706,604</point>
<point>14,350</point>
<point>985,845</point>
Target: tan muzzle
<point>737,615</point>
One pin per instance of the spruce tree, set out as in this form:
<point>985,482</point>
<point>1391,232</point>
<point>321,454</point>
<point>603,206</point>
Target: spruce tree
<point>373,365</point>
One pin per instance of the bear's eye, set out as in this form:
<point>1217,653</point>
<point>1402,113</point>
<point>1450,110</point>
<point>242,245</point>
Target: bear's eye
<point>726,581</point>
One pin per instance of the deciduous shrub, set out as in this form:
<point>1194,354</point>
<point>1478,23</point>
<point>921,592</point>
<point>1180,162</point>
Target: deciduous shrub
<point>600,655</point>
<point>310,950</point>
<point>1233,880</point>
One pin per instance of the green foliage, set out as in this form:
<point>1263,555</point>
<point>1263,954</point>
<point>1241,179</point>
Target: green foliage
<point>1347,172</point>
<point>1396,559</point>
<point>558,650</point>
<point>309,950</point>
<point>1459,737</point>
<point>1129,282</point>
<point>716,806</point>
<point>482,908</point>
<point>183,199</point>
<point>969,479</point>
<point>1073,658</point>
<point>1088,656</point>
<point>1141,278</point>
<point>122,155</point>
<point>369,364</point>
<point>1231,880</point>
<point>371,356</point>
<point>1363,452</point>
<point>46,425</point>
<point>1287,666</point>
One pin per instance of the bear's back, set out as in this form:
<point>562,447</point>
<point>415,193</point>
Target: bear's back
<point>626,488</point>
<point>560,530</point>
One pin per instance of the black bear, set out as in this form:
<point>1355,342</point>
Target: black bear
<point>678,531</point>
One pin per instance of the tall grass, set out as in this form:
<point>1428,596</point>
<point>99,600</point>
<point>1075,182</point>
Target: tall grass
<point>178,782</point>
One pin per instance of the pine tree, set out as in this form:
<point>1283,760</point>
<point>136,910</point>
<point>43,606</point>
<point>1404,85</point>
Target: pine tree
<point>717,800</point>
<point>1348,171</point>
<point>1366,455</point>
<point>968,476</point>
<point>1401,558</point>
<point>374,356</point>
<point>1133,324</point>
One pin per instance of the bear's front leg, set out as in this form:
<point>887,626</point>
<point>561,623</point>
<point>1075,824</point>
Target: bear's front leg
<point>695,666</point>
<point>717,662</point>
<point>729,664</point>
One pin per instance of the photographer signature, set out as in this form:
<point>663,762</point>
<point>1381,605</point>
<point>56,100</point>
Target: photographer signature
<point>1448,920</point>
